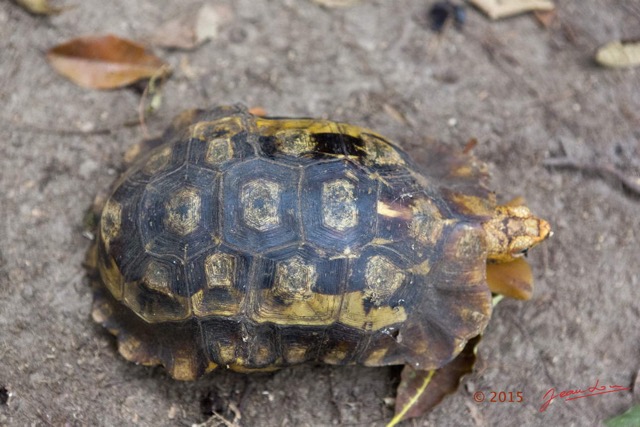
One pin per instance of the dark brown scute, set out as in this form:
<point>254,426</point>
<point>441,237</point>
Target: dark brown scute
<point>455,306</point>
<point>459,175</point>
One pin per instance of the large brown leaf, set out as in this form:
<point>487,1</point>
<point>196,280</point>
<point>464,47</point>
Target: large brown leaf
<point>421,391</point>
<point>104,62</point>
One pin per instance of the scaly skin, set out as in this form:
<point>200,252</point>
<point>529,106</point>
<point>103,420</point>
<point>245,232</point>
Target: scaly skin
<point>512,231</point>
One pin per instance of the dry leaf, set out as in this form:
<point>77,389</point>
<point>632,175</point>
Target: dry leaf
<point>497,9</point>
<point>210,19</point>
<point>40,7</point>
<point>470,145</point>
<point>104,62</point>
<point>191,30</point>
<point>336,3</point>
<point>421,391</point>
<point>153,92</point>
<point>545,17</point>
<point>619,54</point>
<point>394,113</point>
<point>258,111</point>
<point>177,33</point>
<point>513,279</point>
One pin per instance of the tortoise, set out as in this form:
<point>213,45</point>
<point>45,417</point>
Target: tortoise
<point>254,243</point>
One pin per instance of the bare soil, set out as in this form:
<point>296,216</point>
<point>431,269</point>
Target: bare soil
<point>527,93</point>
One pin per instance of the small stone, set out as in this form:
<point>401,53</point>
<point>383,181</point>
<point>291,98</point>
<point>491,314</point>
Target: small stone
<point>173,411</point>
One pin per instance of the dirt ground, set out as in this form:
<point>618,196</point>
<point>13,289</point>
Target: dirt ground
<point>525,92</point>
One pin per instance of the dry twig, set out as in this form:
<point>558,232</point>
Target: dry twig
<point>632,184</point>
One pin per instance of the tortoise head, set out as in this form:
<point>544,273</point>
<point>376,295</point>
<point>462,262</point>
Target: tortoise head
<point>512,231</point>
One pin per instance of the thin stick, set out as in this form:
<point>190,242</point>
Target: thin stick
<point>630,183</point>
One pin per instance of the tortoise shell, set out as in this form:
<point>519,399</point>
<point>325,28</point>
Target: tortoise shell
<point>255,243</point>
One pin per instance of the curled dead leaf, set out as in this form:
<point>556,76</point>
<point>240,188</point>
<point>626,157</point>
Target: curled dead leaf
<point>619,54</point>
<point>394,113</point>
<point>40,7</point>
<point>258,111</point>
<point>470,145</point>
<point>104,62</point>
<point>192,29</point>
<point>421,391</point>
<point>513,279</point>
<point>336,3</point>
<point>153,92</point>
<point>545,17</point>
<point>497,9</point>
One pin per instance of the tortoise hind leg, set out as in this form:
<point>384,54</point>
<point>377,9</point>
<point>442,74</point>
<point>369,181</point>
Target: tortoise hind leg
<point>177,346</point>
<point>129,345</point>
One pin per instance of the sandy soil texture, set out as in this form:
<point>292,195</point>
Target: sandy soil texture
<point>527,93</point>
